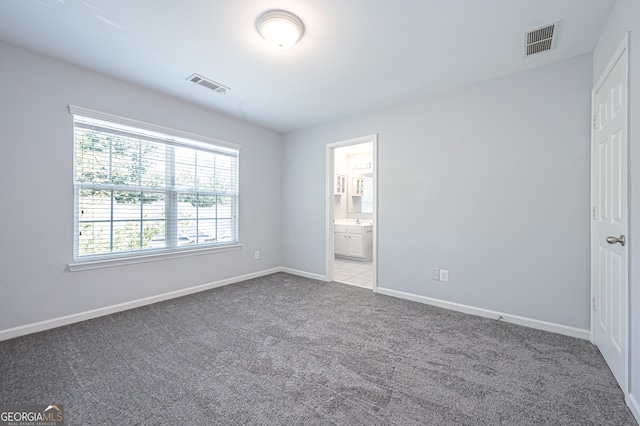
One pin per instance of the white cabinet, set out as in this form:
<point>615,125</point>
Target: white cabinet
<point>355,245</point>
<point>353,242</point>
<point>357,187</point>
<point>340,185</point>
<point>341,248</point>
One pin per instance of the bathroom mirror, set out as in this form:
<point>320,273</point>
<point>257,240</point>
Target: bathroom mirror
<point>367,196</point>
<point>360,194</point>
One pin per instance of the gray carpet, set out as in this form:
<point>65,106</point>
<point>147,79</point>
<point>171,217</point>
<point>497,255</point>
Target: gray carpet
<point>285,350</point>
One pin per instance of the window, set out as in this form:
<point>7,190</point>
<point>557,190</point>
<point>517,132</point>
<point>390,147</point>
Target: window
<point>141,188</point>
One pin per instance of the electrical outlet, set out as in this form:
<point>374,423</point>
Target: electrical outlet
<point>435,274</point>
<point>257,255</point>
<point>444,275</point>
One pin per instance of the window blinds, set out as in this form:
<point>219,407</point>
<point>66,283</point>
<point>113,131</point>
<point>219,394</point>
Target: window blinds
<point>140,188</point>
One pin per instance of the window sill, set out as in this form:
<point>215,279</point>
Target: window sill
<point>151,257</point>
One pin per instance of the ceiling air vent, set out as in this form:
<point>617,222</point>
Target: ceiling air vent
<point>209,84</point>
<point>540,39</point>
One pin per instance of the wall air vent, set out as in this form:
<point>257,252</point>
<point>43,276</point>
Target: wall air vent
<point>209,84</point>
<point>541,39</point>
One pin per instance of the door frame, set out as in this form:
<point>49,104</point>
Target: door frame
<point>373,138</point>
<point>623,49</point>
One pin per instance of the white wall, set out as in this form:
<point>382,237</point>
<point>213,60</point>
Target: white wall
<point>489,181</point>
<point>36,216</point>
<point>626,17</point>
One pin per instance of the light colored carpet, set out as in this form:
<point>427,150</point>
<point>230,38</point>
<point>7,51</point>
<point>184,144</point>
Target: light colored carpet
<point>282,350</point>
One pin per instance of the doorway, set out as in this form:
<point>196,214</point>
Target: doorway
<point>351,199</point>
<point>609,247</point>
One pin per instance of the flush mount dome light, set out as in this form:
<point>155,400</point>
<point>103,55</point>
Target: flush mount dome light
<point>281,29</point>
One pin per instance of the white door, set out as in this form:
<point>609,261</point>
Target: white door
<point>610,218</point>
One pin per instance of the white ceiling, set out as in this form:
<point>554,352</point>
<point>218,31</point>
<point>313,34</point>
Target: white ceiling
<point>356,55</point>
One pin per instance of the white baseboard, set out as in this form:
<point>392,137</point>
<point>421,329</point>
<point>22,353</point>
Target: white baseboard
<point>22,330</point>
<point>634,406</point>
<point>82,316</point>
<point>304,274</point>
<point>486,313</point>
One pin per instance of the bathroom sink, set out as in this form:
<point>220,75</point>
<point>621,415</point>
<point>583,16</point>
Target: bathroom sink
<point>352,222</point>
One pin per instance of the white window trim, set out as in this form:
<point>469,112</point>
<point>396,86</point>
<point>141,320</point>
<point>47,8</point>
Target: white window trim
<point>148,257</point>
<point>76,110</point>
<point>96,262</point>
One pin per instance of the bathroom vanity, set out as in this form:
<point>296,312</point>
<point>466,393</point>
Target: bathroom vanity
<point>353,241</point>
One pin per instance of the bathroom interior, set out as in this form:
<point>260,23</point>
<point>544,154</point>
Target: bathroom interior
<point>353,215</point>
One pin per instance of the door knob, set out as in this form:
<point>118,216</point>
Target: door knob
<point>613,240</point>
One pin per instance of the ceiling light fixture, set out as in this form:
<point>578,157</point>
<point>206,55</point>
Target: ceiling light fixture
<point>281,29</point>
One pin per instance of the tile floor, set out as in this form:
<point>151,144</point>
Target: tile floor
<point>353,272</point>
